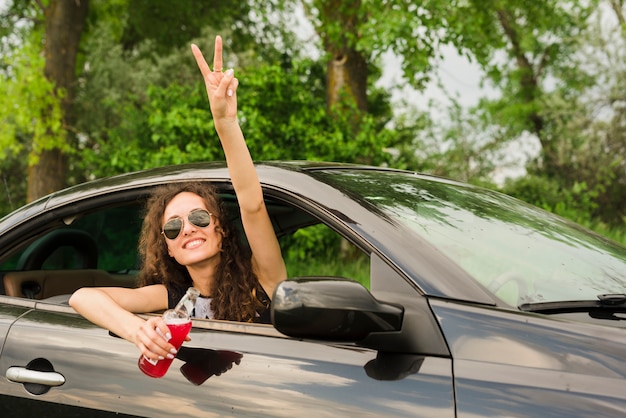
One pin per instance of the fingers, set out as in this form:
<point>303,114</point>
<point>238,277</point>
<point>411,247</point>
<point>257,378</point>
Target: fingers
<point>152,339</point>
<point>219,85</point>
<point>204,67</point>
<point>232,88</point>
<point>217,55</point>
<point>228,85</point>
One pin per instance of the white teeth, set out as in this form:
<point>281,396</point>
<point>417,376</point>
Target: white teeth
<point>194,243</point>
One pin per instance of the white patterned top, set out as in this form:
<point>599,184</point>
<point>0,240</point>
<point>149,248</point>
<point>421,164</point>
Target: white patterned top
<point>203,309</point>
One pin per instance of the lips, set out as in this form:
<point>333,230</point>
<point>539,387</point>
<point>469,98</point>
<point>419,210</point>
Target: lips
<point>194,243</point>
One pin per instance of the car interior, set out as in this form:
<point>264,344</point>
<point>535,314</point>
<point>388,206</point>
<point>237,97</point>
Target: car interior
<point>99,248</point>
<point>92,251</point>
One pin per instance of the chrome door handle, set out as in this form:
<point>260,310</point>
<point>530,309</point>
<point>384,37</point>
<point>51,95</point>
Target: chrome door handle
<point>24,375</point>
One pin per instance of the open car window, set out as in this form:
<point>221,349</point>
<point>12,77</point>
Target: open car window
<point>317,250</point>
<point>102,244</point>
<point>112,233</point>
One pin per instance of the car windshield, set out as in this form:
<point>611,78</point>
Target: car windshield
<point>521,253</point>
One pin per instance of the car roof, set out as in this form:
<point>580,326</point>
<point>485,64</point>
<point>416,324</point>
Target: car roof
<point>270,173</point>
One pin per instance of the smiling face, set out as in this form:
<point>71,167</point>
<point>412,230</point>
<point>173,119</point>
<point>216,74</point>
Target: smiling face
<point>194,245</point>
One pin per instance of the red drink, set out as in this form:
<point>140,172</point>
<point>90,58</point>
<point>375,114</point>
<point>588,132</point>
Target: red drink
<point>179,328</point>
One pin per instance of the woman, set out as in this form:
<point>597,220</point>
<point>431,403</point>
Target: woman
<point>186,240</point>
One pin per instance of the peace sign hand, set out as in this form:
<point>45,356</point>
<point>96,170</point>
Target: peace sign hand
<point>221,86</point>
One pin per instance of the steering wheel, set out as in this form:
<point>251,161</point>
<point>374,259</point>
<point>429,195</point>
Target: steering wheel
<point>82,243</point>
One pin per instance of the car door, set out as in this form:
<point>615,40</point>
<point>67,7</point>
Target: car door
<point>9,313</point>
<point>41,366</point>
<point>55,363</point>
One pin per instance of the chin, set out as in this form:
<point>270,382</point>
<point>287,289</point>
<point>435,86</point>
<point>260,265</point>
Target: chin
<point>198,259</point>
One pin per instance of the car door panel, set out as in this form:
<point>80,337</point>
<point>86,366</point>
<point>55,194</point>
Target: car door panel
<point>8,315</point>
<point>51,337</point>
<point>299,376</point>
<point>273,375</point>
<point>512,363</point>
<point>493,390</point>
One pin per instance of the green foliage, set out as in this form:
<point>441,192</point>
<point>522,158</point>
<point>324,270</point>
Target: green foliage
<point>141,103</point>
<point>283,114</point>
<point>319,251</point>
<point>414,31</point>
<point>559,80</point>
<point>185,20</point>
<point>30,111</point>
<point>13,181</point>
<point>583,127</point>
<point>143,111</point>
<point>173,126</point>
<point>411,30</point>
<point>526,62</point>
<point>16,20</point>
<point>576,203</point>
<point>328,264</point>
<point>134,115</point>
<point>306,242</point>
<point>544,32</point>
<point>617,234</point>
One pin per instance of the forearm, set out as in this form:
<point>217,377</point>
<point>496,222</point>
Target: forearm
<point>98,307</point>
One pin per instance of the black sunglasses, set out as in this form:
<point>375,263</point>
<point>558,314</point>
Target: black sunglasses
<point>198,217</point>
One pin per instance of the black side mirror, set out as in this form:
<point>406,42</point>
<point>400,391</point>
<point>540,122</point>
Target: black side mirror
<point>331,309</point>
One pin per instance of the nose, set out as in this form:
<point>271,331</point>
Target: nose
<point>188,227</point>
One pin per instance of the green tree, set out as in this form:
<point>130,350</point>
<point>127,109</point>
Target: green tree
<point>584,122</point>
<point>25,99</point>
<point>184,21</point>
<point>54,28</point>
<point>526,49</point>
<point>355,35</point>
<point>153,111</point>
<point>42,72</point>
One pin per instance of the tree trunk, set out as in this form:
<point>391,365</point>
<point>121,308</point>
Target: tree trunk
<point>346,72</point>
<point>347,68</point>
<point>64,20</point>
<point>617,8</point>
<point>529,92</point>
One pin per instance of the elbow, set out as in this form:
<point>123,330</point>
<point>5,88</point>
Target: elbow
<point>77,297</point>
<point>254,206</point>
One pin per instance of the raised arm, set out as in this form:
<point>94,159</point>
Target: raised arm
<point>221,89</point>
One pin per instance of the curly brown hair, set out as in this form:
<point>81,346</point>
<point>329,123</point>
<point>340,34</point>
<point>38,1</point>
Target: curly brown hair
<point>236,290</point>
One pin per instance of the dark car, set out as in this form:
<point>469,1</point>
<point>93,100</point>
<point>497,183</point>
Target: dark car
<point>454,301</point>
